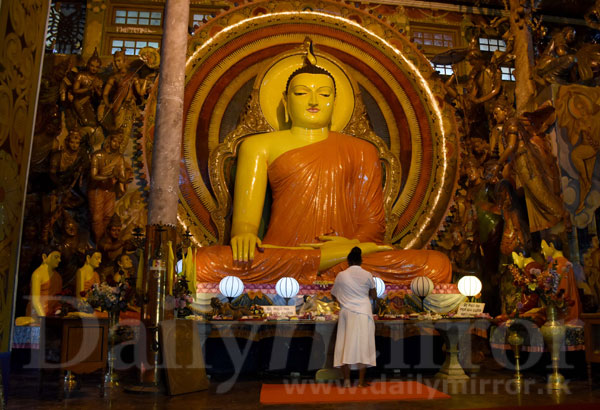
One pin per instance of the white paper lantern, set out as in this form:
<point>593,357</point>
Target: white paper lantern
<point>469,285</point>
<point>231,286</point>
<point>379,286</point>
<point>287,287</point>
<point>421,286</point>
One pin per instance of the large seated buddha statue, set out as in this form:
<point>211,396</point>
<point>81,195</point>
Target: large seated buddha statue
<point>326,187</point>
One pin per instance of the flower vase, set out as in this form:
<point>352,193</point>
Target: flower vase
<point>554,332</point>
<point>110,378</point>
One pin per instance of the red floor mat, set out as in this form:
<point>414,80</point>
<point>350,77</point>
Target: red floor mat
<point>291,393</point>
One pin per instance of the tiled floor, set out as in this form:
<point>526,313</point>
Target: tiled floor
<point>491,387</point>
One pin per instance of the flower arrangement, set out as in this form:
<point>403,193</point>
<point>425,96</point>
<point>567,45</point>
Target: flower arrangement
<point>543,281</point>
<point>257,310</point>
<point>109,298</point>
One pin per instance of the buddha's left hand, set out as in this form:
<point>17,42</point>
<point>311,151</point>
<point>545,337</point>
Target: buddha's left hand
<point>330,241</point>
<point>335,249</point>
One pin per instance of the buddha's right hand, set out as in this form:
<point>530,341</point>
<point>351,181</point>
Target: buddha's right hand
<point>243,247</point>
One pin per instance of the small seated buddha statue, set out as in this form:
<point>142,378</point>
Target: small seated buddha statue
<point>46,284</point>
<point>327,198</point>
<point>86,276</point>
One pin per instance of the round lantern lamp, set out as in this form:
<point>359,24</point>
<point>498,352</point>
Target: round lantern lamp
<point>231,287</point>
<point>422,286</point>
<point>379,286</point>
<point>287,288</point>
<point>469,286</point>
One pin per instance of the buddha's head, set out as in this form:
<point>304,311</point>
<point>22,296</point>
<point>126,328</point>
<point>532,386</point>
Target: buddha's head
<point>94,259</point>
<point>309,97</point>
<point>52,259</point>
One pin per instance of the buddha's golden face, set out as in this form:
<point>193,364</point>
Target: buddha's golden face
<point>310,100</point>
<point>53,259</point>
<point>95,260</point>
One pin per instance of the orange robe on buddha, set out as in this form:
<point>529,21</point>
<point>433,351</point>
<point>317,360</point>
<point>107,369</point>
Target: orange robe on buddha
<point>332,187</point>
<point>87,285</point>
<point>48,296</point>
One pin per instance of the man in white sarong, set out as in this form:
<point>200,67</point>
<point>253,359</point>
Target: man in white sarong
<point>355,343</point>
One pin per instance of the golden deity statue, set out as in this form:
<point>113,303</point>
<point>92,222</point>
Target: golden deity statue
<point>326,189</point>
<point>119,98</point>
<point>529,163</point>
<point>108,177</point>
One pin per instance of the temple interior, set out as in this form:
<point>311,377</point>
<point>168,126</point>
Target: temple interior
<point>182,181</point>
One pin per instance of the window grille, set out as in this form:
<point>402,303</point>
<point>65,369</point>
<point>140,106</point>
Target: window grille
<point>138,17</point>
<point>66,24</point>
<point>443,69</point>
<point>491,44</point>
<point>433,38</point>
<point>507,73</point>
<point>132,47</point>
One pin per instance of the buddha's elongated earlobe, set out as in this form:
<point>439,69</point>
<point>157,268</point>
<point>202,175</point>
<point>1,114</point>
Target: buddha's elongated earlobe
<point>285,108</point>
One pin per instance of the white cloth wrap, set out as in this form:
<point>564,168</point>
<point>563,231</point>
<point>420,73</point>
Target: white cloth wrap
<point>355,342</point>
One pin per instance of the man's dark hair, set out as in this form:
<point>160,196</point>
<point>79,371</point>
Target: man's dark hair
<point>309,69</point>
<point>355,256</point>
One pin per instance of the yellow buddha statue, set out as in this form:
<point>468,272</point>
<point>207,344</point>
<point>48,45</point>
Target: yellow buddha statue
<point>86,276</point>
<point>327,197</point>
<point>46,284</point>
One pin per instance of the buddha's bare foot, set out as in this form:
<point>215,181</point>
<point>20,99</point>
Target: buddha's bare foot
<point>364,384</point>
<point>347,383</point>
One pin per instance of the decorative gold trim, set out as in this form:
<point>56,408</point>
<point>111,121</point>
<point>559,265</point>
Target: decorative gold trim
<point>224,101</point>
<point>252,122</point>
<point>383,105</point>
